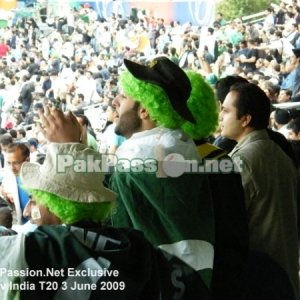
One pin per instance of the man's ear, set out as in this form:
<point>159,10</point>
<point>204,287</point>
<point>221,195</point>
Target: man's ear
<point>246,119</point>
<point>143,113</point>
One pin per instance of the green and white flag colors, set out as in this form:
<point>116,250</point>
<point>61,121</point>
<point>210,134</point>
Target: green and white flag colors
<point>165,209</point>
<point>63,262</point>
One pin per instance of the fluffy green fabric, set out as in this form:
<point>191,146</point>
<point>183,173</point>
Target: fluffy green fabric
<point>69,211</point>
<point>202,104</point>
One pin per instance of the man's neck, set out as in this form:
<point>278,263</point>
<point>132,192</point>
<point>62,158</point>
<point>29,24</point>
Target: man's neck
<point>146,125</point>
<point>246,131</point>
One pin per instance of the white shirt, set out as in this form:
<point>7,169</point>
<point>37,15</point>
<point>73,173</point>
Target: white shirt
<point>157,143</point>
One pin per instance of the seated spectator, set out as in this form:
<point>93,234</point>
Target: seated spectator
<point>11,189</point>
<point>292,81</point>
<point>284,96</point>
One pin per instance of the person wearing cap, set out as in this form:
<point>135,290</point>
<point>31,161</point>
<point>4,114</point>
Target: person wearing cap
<point>270,182</point>
<point>292,80</point>
<point>71,252</point>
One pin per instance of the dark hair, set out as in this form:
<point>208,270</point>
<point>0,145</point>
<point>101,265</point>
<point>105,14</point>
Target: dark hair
<point>13,133</point>
<point>273,89</point>
<point>252,100</point>
<point>22,132</point>
<point>85,120</point>
<point>244,42</point>
<point>6,218</point>
<point>287,92</point>
<point>173,51</point>
<point>21,146</point>
<point>223,85</point>
<point>210,30</point>
<point>294,125</point>
<point>6,139</point>
<point>81,96</point>
<point>2,131</point>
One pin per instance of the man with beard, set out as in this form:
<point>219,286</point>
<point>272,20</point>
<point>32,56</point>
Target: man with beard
<point>161,110</point>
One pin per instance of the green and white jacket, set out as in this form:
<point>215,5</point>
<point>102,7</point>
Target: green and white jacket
<point>175,213</point>
<point>68,262</point>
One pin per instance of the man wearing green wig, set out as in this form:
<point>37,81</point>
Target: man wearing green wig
<point>76,257</point>
<point>197,217</point>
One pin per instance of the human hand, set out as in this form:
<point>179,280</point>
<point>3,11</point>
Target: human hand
<point>6,195</point>
<point>58,127</point>
<point>242,58</point>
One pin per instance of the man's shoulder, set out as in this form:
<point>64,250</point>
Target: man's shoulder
<point>263,152</point>
<point>254,148</point>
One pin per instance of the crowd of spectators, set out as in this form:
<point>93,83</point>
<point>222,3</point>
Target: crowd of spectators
<point>73,62</point>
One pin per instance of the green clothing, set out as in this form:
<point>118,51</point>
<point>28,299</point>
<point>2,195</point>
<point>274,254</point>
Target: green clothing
<point>270,182</point>
<point>175,214</point>
<point>92,143</point>
<point>71,262</point>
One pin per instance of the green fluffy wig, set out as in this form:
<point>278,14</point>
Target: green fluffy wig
<point>201,103</point>
<point>69,211</point>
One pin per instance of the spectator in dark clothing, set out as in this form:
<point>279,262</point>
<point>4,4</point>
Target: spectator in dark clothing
<point>294,137</point>
<point>250,58</point>
<point>47,84</point>
<point>280,16</point>
<point>26,94</point>
<point>33,67</point>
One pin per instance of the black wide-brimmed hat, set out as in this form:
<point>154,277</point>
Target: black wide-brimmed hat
<point>297,52</point>
<point>171,78</point>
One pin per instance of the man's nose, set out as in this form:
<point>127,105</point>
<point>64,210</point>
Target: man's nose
<point>116,102</point>
<point>220,116</point>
